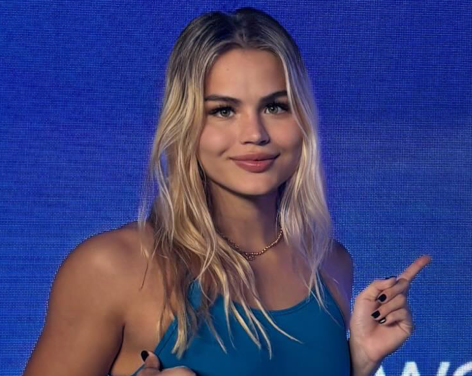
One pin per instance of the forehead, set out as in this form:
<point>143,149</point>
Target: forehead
<point>242,69</point>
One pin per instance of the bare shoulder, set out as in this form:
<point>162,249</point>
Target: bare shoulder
<point>88,304</point>
<point>111,262</point>
<point>338,271</point>
<point>114,254</point>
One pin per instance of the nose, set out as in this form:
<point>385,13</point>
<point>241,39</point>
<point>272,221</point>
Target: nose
<point>253,130</point>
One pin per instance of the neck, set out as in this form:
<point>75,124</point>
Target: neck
<point>250,222</point>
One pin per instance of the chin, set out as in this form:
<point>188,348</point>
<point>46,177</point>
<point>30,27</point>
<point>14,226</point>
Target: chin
<point>255,185</point>
<point>255,190</point>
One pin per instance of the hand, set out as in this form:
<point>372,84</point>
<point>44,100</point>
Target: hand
<point>371,338</point>
<point>152,367</point>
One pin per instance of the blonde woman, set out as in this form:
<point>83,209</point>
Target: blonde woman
<point>234,270</point>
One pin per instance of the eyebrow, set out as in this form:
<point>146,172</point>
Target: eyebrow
<point>235,101</point>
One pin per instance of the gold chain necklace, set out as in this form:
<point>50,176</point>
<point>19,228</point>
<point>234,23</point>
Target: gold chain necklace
<point>251,256</point>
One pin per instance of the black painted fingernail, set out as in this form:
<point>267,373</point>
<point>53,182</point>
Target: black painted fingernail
<point>383,320</point>
<point>376,314</point>
<point>382,298</point>
<point>144,355</point>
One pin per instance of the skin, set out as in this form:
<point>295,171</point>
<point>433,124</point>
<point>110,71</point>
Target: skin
<point>371,341</point>
<point>99,320</point>
<point>245,201</point>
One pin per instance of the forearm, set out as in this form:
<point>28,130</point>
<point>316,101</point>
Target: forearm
<point>360,365</point>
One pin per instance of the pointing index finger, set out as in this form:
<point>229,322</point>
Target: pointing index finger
<point>411,272</point>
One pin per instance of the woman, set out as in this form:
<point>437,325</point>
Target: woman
<point>235,271</point>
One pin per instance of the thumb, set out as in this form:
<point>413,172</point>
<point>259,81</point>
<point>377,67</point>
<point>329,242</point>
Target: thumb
<point>150,360</point>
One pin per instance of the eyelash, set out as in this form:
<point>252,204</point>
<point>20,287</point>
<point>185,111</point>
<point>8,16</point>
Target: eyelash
<point>218,109</point>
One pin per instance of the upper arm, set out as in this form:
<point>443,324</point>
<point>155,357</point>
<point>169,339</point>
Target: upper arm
<point>345,276</point>
<point>83,329</point>
<point>339,268</point>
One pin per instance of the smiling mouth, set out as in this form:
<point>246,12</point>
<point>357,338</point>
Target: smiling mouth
<point>255,165</point>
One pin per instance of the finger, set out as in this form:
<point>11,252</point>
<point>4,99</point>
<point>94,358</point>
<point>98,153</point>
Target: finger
<point>150,360</point>
<point>396,303</point>
<point>415,267</point>
<point>178,371</point>
<point>400,315</point>
<point>401,286</point>
<point>372,291</point>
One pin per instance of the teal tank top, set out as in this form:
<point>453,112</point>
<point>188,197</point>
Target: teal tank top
<point>324,349</point>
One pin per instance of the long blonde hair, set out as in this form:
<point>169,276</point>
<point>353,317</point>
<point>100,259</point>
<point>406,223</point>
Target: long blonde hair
<point>184,234</point>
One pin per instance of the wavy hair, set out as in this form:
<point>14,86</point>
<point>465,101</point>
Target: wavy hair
<point>178,202</point>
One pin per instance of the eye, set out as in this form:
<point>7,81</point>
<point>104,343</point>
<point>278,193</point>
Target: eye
<point>277,108</point>
<point>223,111</point>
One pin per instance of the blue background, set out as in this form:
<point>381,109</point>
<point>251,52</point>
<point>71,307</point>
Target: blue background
<point>80,85</point>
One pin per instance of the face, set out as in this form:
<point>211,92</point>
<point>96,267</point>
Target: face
<point>247,112</point>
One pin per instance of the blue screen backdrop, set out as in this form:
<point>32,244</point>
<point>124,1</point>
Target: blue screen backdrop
<point>80,86</point>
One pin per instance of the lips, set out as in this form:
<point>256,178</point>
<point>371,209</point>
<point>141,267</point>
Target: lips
<point>255,157</point>
<point>255,166</point>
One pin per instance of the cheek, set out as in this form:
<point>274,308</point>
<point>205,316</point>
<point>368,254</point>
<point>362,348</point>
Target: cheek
<point>291,141</point>
<point>213,143</point>
<point>291,145</point>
